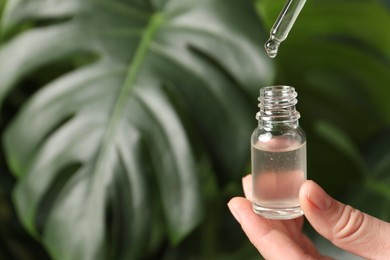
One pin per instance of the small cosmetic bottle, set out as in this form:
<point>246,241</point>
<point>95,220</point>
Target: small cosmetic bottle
<point>278,155</point>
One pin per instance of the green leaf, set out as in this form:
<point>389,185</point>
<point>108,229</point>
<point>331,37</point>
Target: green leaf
<point>377,155</point>
<point>100,151</point>
<point>335,136</point>
<point>373,194</point>
<point>386,3</point>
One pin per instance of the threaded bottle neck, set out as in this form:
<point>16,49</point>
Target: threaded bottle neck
<point>277,105</point>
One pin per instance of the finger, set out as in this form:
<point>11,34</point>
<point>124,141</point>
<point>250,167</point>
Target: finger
<point>271,243</point>
<point>343,225</point>
<point>247,186</point>
<point>296,228</point>
<point>292,229</point>
<point>309,247</point>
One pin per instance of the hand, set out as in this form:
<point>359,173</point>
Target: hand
<point>347,228</point>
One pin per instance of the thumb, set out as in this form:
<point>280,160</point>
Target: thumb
<point>343,225</point>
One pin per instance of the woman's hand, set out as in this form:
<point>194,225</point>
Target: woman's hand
<point>344,226</point>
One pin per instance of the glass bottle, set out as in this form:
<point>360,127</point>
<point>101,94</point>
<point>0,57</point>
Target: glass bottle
<point>278,155</point>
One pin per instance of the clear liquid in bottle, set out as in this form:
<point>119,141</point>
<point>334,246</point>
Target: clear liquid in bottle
<point>278,173</point>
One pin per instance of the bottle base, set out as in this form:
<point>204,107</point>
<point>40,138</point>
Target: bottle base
<point>278,213</point>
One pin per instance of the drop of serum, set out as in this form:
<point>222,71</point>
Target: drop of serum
<point>283,25</point>
<point>272,47</point>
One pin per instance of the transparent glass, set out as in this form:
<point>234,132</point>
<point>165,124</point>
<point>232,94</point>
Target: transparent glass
<point>283,25</point>
<point>278,155</point>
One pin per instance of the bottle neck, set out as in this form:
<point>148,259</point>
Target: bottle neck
<point>277,107</point>
<point>276,126</point>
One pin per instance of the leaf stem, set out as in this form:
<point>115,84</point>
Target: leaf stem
<point>129,83</point>
<point>136,65</point>
<point>146,40</point>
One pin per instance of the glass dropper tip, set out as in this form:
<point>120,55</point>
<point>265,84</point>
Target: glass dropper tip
<point>271,47</point>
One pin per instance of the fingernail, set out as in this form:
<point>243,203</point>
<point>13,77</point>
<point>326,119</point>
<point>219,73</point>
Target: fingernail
<point>318,197</point>
<point>234,211</point>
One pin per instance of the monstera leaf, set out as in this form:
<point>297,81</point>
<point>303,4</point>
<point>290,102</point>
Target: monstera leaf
<point>102,150</point>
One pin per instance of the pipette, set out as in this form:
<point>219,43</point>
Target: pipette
<point>283,25</point>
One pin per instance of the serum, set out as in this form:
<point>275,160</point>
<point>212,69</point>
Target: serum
<point>278,155</point>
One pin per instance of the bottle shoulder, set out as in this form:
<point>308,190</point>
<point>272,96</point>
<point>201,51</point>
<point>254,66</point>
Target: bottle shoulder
<point>279,130</point>
<point>283,138</point>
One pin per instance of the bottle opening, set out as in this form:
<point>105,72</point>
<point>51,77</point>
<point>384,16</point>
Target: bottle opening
<point>277,104</point>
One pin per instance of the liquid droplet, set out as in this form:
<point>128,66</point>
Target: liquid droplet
<point>271,47</point>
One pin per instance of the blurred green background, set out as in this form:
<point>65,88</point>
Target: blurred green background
<point>125,124</point>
